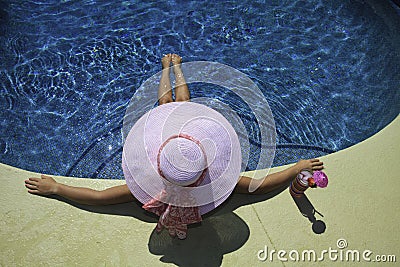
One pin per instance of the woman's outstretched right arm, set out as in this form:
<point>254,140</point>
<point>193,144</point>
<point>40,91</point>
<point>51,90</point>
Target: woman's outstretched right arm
<point>46,185</point>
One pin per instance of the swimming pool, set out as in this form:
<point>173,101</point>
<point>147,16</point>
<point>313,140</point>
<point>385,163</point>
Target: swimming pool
<point>329,70</point>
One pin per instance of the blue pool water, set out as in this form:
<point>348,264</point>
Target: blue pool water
<point>329,70</point>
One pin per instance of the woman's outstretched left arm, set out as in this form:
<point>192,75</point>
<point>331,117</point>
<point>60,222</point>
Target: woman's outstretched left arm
<point>279,179</point>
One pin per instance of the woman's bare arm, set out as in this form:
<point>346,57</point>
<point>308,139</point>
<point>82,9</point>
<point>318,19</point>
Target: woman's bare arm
<point>279,179</point>
<point>46,185</point>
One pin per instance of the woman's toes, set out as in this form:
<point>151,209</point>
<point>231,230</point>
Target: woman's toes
<point>176,59</point>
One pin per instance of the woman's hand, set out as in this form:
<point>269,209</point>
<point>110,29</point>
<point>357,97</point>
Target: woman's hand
<point>309,164</point>
<point>41,186</point>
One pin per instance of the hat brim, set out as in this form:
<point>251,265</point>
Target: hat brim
<point>139,157</point>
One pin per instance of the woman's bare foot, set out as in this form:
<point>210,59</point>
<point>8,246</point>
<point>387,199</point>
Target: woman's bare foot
<point>166,61</point>
<point>176,62</point>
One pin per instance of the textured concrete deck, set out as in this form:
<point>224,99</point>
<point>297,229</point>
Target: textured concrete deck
<point>360,205</point>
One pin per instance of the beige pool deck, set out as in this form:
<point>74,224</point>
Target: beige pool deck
<point>361,205</point>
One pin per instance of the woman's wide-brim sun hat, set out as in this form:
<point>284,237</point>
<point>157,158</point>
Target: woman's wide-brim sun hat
<point>182,154</point>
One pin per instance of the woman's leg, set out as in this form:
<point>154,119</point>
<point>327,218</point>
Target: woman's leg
<point>181,89</point>
<point>164,89</point>
<point>279,179</point>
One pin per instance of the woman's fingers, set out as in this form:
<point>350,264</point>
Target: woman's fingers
<point>36,181</point>
<point>33,188</point>
<point>317,168</point>
<point>32,181</point>
<point>30,186</point>
<point>316,164</point>
<point>41,186</point>
<point>34,191</point>
<point>316,161</point>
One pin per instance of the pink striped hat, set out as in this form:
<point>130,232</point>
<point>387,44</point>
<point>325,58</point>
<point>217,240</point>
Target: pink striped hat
<point>181,155</point>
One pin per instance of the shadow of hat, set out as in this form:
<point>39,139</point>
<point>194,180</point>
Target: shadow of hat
<point>206,244</point>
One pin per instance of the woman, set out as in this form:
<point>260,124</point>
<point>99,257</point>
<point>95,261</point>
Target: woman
<point>129,192</point>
